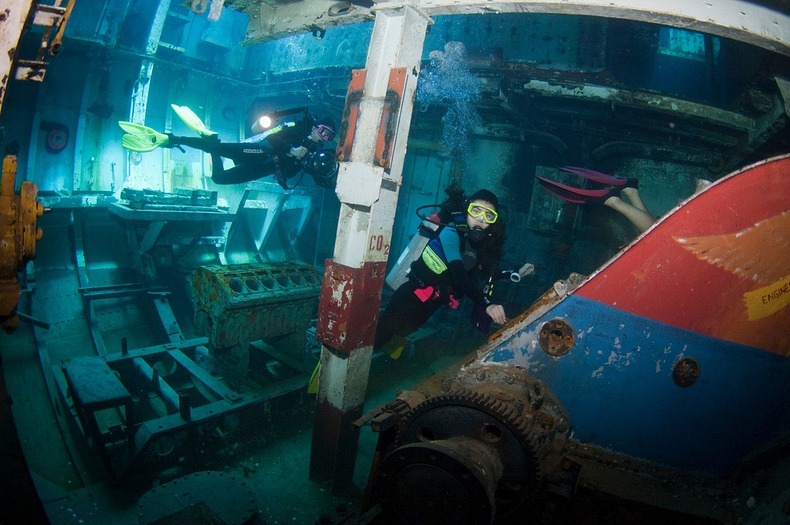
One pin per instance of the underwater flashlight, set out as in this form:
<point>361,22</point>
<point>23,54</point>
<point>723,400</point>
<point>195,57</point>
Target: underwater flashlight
<point>270,118</point>
<point>262,124</point>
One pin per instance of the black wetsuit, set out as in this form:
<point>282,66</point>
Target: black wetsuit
<point>254,160</point>
<point>414,302</point>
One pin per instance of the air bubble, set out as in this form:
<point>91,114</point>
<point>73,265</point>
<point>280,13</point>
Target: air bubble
<point>447,81</point>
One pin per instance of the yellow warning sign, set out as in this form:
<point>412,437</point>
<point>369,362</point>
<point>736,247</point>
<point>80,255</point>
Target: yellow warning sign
<point>767,300</point>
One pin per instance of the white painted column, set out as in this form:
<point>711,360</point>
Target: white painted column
<point>373,140</point>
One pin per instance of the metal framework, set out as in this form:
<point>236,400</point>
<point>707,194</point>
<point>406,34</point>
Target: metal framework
<point>751,22</point>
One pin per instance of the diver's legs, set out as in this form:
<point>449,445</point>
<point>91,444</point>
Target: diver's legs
<point>252,161</point>
<point>236,174</point>
<point>636,199</point>
<point>636,211</point>
<point>638,217</point>
<point>238,152</point>
<point>404,314</point>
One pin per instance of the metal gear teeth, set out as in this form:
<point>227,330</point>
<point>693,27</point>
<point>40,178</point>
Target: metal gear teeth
<point>502,410</point>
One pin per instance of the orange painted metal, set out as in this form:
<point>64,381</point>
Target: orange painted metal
<point>389,117</point>
<point>348,126</point>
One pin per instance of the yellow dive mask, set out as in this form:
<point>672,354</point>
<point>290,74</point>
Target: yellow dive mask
<point>481,211</point>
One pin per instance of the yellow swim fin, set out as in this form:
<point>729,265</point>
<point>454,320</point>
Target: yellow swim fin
<point>394,347</point>
<point>312,385</point>
<point>137,143</point>
<point>192,121</point>
<point>141,138</point>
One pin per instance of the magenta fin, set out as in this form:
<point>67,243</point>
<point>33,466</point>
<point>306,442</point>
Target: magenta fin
<point>559,192</point>
<point>577,192</point>
<point>597,176</point>
<point>565,197</point>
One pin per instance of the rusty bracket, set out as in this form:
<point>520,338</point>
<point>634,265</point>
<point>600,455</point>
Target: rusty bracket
<point>348,126</point>
<point>389,116</point>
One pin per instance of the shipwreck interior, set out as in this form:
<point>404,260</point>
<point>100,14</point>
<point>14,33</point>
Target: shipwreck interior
<point>163,332</point>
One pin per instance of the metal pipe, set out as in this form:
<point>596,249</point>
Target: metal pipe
<point>54,48</point>
<point>33,320</point>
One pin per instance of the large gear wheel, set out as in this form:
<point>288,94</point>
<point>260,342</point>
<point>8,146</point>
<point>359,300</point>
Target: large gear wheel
<point>460,458</point>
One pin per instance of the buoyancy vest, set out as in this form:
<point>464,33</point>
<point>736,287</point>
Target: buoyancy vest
<point>431,267</point>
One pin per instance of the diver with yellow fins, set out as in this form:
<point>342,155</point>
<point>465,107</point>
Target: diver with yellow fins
<point>284,151</point>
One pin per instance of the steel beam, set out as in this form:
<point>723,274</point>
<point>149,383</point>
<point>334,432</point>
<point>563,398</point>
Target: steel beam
<point>372,147</point>
<point>759,23</point>
<point>272,20</point>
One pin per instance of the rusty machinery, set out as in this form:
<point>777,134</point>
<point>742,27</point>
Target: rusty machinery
<point>18,231</point>
<point>141,409</point>
<point>138,407</point>
<point>238,304</point>
<point>467,448</point>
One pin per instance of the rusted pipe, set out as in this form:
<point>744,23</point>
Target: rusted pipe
<point>54,48</point>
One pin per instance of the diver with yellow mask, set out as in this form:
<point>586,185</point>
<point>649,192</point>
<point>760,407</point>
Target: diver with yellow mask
<point>467,246</point>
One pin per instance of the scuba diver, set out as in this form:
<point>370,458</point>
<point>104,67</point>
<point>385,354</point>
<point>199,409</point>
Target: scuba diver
<point>467,244</point>
<point>465,241</point>
<point>285,150</point>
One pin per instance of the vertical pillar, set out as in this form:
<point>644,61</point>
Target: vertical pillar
<point>136,176</point>
<point>11,26</point>
<point>372,139</point>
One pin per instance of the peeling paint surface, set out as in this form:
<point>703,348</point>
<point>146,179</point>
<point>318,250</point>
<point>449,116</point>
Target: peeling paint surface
<point>717,265</point>
<point>617,386</point>
<point>337,293</point>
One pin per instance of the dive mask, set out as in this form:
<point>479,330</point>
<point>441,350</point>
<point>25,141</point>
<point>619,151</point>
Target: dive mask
<point>325,132</point>
<point>482,212</point>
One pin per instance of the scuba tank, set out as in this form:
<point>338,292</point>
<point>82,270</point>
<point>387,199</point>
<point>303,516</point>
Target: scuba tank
<point>427,230</point>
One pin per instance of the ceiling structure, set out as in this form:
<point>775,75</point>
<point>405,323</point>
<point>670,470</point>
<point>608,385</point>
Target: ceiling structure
<point>555,108</point>
<point>761,23</point>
